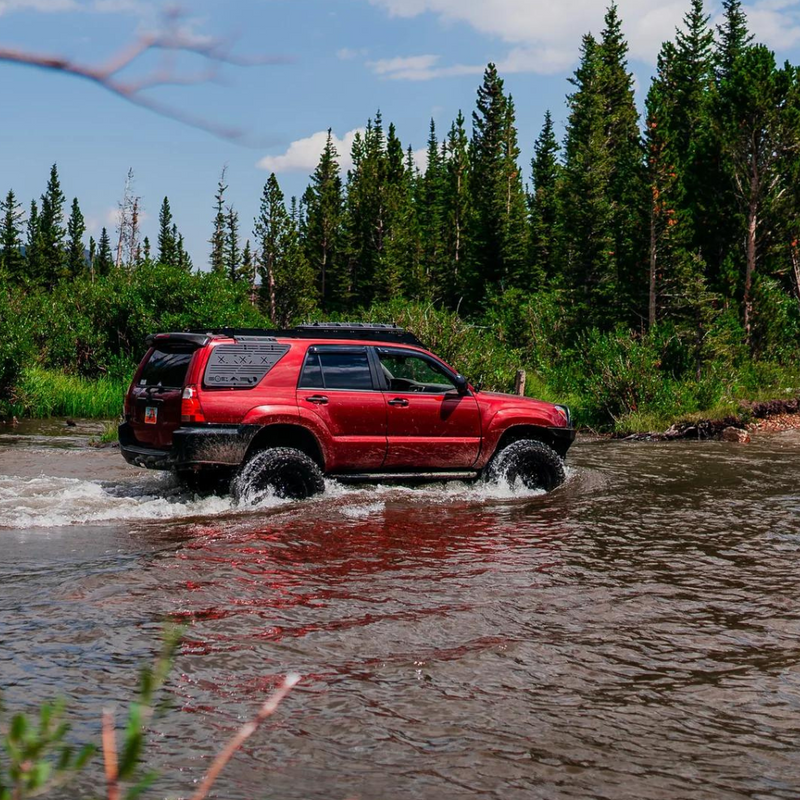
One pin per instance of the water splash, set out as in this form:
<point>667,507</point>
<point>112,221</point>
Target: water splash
<point>51,502</point>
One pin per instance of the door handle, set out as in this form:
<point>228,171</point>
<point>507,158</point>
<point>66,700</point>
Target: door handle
<point>398,401</point>
<point>318,400</point>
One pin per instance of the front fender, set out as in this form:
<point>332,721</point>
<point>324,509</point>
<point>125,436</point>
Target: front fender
<point>505,419</point>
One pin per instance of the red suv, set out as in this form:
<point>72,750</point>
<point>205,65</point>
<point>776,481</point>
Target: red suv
<point>278,410</point>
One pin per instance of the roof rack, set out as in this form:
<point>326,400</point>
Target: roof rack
<point>359,331</point>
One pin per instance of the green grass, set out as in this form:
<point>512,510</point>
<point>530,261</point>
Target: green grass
<point>50,393</point>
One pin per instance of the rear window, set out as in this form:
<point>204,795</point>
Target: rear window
<point>166,368</point>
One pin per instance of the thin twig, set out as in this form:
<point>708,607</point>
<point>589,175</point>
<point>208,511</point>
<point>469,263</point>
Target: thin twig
<point>244,733</point>
<point>110,755</point>
<point>170,41</point>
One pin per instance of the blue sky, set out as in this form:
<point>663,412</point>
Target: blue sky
<point>342,60</point>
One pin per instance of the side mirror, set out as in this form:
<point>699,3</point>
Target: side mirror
<point>462,387</point>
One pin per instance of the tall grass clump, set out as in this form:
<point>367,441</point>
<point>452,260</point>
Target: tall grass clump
<point>44,392</point>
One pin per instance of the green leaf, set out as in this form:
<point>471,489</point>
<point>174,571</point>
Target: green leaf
<point>142,786</point>
<point>84,755</point>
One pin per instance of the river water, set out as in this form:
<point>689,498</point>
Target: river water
<point>635,634</point>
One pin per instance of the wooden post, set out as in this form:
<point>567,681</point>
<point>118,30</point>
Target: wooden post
<point>519,383</point>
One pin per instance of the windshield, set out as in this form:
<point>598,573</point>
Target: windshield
<point>166,368</point>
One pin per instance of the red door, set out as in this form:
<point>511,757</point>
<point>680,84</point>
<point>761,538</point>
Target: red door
<point>337,384</point>
<point>430,426</point>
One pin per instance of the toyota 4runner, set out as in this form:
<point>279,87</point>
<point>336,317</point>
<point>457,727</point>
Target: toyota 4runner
<point>278,410</point>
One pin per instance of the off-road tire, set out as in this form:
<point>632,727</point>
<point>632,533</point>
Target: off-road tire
<point>534,463</point>
<point>287,472</point>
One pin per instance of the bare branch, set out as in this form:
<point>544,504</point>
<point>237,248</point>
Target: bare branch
<point>110,755</point>
<point>244,733</point>
<point>170,42</point>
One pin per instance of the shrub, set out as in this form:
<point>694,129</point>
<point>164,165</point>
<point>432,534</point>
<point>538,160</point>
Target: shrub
<point>17,347</point>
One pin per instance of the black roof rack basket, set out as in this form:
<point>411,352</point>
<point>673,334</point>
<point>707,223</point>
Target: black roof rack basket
<point>360,331</point>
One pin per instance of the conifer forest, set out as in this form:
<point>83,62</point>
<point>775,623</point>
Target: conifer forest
<point>641,265</point>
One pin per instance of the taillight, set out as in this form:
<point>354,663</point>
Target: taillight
<point>191,410</point>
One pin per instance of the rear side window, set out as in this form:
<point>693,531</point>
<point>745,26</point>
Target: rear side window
<point>336,370</point>
<point>242,364</point>
<point>166,368</point>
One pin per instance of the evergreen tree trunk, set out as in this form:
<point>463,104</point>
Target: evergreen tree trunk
<point>651,316</point>
<point>750,267</point>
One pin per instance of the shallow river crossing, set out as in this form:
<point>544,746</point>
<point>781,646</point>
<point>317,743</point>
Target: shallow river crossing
<point>635,634</point>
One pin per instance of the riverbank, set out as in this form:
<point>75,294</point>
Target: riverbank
<point>50,394</point>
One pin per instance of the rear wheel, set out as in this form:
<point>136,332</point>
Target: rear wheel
<point>282,471</point>
<point>533,463</point>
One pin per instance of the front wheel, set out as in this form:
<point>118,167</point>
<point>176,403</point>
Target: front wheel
<point>282,471</point>
<point>533,463</point>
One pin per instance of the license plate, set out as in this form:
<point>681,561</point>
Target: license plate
<point>151,415</point>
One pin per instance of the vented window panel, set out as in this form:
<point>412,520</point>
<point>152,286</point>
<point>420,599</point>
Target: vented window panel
<point>242,364</point>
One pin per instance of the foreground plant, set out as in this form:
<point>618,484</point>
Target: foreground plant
<point>40,758</point>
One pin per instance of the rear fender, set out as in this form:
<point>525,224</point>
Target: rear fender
<point>285,418</point>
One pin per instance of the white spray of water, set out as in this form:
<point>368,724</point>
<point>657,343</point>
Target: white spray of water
<point>50,502</point>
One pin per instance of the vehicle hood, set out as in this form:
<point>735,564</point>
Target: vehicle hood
<point>497,402</point>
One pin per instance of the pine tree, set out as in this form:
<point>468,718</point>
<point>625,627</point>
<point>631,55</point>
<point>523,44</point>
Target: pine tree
<point>752,127</point>
<point>219,237</point>
<point>12,261</point>
<point>691,82</point>
<point>457,274</point>
<point>604,188</point>
<point>365,222</point>
<point>287,280</point>
<point>51,229</point>
<point>76,253</point>
<point>733,37</point>
<point>247,271</point>
<point>431,217</point>
<point>33,247</point>
<point>500,218</point>
<point>544,210</point>
<point>721,224</point>
<point>392,265</point>
<point>627,182</point>
<point>676,281</point>
<point>323,224</point>
<point>128,212</point>
<point>105,258</point>
<point>182,258</point>
<point>587,243</point>
<point>167,238</point>
<point>92,256</point>
<point>232,252</point>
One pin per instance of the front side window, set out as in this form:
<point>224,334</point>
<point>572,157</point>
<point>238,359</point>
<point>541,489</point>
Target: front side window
<point>411,373</point>
<point>336,370</point>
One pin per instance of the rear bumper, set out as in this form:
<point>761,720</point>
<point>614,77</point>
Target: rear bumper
<point>193,448</point>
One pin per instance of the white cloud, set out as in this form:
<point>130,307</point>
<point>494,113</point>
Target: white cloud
<point>419,68</point>
<point>303,154</point>
<point>135,7</point>
<point>44,6</point>
<point>544,35</point>
<point>421,159</point>
<point>776,23</point>
<point>348,54</point>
